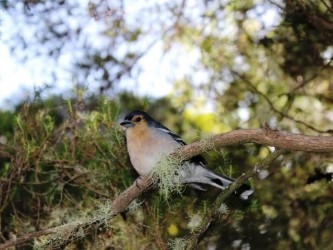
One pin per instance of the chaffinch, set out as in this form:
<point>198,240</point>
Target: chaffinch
<point>148,141</point>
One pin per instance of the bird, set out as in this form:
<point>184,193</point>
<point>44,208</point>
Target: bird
<point>148,141</point>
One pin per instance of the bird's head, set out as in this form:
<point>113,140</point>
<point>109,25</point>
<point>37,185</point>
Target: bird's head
<point>137,119</point>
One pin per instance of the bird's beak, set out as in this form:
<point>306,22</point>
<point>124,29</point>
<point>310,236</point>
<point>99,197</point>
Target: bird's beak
<point>127,124</point>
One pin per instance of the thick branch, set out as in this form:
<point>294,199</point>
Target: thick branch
<point>266,136</point>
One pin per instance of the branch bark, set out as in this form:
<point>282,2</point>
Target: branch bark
<point>265,136</point>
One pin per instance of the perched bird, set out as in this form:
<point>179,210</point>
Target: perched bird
<point>148,141</point>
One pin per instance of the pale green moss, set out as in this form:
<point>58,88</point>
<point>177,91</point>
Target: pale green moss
<point>77,229</point>
<point>166,176</point>
<point>223,209</point>
<point>134,206</point>
<point>194,222</point>
<point>177,244</point>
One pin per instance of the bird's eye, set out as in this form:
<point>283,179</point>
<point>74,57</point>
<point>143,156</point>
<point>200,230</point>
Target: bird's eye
<point>138,119</point>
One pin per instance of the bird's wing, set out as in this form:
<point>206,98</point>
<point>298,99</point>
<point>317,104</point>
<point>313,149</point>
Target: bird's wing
<point>196,159</point>
<point>173,135</point>
<point>199,174</point>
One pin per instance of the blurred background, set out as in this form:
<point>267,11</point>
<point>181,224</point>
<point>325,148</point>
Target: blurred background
<point>69,70</point>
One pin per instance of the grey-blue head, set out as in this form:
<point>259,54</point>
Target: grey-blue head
<point>136,117</point>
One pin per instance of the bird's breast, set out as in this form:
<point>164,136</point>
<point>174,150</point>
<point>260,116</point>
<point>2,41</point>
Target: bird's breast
<point>147,149</point>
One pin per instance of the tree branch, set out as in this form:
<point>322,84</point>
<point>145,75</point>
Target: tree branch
<point>213,213</point>
<point>118,205</point>
<point>265,136</point>
<point>271,105</point>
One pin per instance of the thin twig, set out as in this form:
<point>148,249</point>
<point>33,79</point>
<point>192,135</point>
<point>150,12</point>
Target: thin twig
<point>213,213</point>
<point>271,105</point>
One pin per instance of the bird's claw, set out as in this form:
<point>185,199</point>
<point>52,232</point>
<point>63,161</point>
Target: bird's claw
<point>137,182</point>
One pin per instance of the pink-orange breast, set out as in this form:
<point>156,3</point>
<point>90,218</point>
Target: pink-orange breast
<point>147,146</point>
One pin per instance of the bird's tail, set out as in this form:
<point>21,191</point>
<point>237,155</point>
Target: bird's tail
<point>196,174</point>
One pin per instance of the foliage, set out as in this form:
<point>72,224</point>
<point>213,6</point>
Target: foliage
<point>246,63</point>
<point>60,167</point>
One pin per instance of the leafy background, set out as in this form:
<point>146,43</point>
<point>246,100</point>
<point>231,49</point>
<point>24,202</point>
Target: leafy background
<point>230,64</point>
